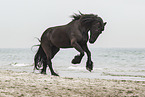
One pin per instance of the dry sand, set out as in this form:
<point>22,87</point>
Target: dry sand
<point>23,84</point>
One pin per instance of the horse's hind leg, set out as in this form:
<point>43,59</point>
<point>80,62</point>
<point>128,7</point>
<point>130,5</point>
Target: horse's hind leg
<point>50,52</point>
<point>51,68</point>
<point>44,66</point>
<point>54,50</point>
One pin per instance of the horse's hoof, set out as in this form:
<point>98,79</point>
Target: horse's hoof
<point>76,60</point>
<point>89,66</point>
<point>55,74</point>
<point>88,69</point>
<point>43,72</point>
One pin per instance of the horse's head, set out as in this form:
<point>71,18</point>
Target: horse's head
<point>96,29</point>
<point>93,23</point>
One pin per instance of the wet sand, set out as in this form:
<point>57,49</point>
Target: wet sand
<point>23,84</point>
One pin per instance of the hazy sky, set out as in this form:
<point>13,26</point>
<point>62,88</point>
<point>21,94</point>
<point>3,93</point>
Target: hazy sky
<point>23,20</point>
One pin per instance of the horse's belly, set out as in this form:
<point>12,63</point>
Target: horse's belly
<point>63,45</point>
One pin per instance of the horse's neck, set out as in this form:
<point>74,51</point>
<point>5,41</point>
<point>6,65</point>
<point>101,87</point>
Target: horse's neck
<point>82,28</point>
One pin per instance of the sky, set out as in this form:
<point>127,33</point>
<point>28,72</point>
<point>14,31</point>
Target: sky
<point>21,21</point>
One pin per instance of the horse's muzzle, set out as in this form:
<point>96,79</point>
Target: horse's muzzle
<point>91,41</point>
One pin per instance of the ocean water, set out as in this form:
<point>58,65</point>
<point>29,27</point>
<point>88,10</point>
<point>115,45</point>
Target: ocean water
<point>109,63</point>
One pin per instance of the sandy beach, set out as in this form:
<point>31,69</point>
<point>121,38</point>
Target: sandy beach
<point>23,84</point>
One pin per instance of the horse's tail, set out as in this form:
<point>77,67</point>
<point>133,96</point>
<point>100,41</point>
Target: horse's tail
<point>39,58</point>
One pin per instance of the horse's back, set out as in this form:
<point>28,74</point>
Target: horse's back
<point>57,36</point>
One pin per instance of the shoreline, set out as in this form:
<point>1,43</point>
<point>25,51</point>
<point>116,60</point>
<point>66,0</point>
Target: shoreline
<point>25,84</point>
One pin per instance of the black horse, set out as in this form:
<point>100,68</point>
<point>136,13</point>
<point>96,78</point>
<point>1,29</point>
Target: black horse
<point>72,35</point>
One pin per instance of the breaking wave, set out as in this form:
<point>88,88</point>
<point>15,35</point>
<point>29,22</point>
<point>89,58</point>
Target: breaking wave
<point>20,64</point>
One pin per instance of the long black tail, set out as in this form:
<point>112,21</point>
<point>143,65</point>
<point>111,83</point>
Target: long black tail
<point>39,58</point>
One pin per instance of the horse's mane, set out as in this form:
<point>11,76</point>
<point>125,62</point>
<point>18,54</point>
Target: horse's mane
<point>85,18</point>
<point>76,16</point>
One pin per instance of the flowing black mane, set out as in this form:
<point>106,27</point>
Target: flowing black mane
<point>85,18</point>
<point>76,16</point>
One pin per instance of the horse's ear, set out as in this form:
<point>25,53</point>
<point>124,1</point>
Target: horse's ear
<point>105,23</point>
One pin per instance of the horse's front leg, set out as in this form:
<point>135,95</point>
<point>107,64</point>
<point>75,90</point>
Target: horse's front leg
<point>77,59</point>
<point>89,63</point>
